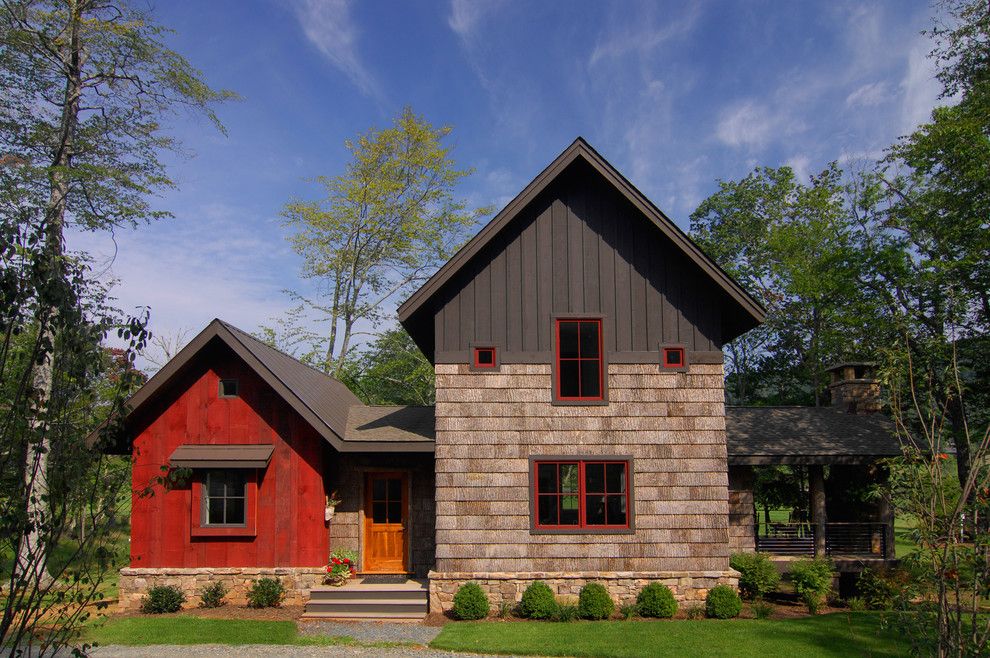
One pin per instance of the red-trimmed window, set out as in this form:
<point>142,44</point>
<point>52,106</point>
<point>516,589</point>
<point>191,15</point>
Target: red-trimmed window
<point>673,357</point>
<point>581,494</point>
<point>579,360</point>
<point>484,357</point>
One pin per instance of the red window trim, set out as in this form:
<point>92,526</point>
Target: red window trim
<point>669,350</point>
<point>581,493</point>
<point>557,359</point>
<point>250,527</point>
<point>485,366</point>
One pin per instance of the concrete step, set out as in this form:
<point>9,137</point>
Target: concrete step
<point>395,616</point>
<point>367,595</point>
<point>357,600</point>
<point>398,606</point>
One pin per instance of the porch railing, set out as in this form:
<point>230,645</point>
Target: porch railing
<point>841,539</point>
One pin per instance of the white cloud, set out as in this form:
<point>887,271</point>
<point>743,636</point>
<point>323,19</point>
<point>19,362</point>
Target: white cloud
<point>329,26</point>
<point>801,166</point>
<point>465,15</point>
<point>642,36</point>
<point>749,123</point>
<point>869,95</point>
<point>919,86</point>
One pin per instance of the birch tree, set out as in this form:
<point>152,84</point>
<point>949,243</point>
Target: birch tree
<point>382,227</point>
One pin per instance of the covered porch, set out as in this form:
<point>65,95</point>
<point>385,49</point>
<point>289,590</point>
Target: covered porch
<point>835,457</point>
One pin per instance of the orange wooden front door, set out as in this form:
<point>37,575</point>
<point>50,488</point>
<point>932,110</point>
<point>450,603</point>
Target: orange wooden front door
<point>386,515</point>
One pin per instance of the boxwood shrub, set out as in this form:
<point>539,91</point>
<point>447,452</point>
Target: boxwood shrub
<point>595,602</point>
<point>722,602</point>
<point>757,575</point>
<point>538,601</point>
<point>656,600</point>
<point>161,599</point>
<point>266,593</point>
<point>470,602</point>
<point>212,595</point>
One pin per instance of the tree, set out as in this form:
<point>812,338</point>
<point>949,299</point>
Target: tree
<point>789,244</point>
<point>87,84</point>
<point>383,227</point>
<point>391,370</point>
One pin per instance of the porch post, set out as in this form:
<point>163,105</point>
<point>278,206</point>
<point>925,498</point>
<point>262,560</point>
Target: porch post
<point>816,482</point>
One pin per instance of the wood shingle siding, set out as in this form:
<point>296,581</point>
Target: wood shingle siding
<point>489,426</point>
<point>579,247</point>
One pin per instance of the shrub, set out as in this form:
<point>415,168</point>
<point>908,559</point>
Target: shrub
<point>656,600</point>
<point>856,604</point>
<point>565,612</point>
<point>762,610</point>
<point>161,599</point>
<point>880,589</point>
<point>470,602</point>
<point>537,601</point>
<point>722,602</point>
<point>211,596</point>
<point>266,593</point>
<point>757,575</point>
<point>695,612</point>
<point>505,609</point>
<point>594,602</point>
<point>812,581</point>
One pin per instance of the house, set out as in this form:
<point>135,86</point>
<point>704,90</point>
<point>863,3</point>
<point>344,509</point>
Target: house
<point>579,432</point>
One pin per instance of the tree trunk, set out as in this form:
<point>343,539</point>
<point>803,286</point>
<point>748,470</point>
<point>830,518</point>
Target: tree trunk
<point>32,555</point>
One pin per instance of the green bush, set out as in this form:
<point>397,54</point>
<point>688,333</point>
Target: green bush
<point>628,611</point>
<point>757,575</point>
<point>565,612</point>
<point>266,593</point>
<point>505,609</point>
<point>881,588</point>
<point>695,612</point>
<point>812,581</point>
<point>856,604</point>
<point>537,601</point>
<point>161,599</point>
<point>594,602</point>
<point>722,602</point>
<point>470,602</point>
<point>211,596</point>
<point>656,600</point>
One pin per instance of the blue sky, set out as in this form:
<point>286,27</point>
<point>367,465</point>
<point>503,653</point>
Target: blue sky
<point>676,95</point>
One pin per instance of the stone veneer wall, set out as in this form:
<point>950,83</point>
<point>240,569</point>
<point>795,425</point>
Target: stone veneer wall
<point>346,477</point>
<point>134,582</point>
<point>489,424</point>
<point>742,533</point>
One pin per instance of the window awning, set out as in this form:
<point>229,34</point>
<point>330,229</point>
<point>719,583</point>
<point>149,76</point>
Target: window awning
<point>221,456</point>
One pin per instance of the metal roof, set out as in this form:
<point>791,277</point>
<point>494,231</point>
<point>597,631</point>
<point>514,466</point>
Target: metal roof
<point>222,456</point>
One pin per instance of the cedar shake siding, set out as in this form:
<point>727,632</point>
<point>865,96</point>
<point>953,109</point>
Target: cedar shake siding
<point>579,247</point>
<point>671,424</point>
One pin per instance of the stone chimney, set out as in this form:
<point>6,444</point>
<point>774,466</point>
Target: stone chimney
<point>854,389</point>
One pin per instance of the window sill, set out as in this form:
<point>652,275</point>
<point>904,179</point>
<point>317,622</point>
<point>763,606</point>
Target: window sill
<point>224,531</point>
<point>582,531</point>
<point>579,403</point>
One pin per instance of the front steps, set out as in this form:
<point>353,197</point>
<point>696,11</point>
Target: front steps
<point>358,600</point>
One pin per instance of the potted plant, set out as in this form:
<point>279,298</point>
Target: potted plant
<point>343,565</point>
<point>332,501</point>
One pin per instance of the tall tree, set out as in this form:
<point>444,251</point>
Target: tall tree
<point>391,370</point>
<point>87,85</point>
<point>383,227</point>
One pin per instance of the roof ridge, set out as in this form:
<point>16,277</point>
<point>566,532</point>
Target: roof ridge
<point>275,349</point>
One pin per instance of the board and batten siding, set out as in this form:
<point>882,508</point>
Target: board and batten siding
<point>579,247</point>
<point>672,424</point>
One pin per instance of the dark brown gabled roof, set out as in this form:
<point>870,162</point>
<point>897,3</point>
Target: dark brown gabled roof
<point>806,435</point>
<point>320,399</point>
<point>749,312</point>
<point>409,425</point>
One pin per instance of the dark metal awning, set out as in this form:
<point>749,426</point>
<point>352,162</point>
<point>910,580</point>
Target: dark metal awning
<point>221,456</point>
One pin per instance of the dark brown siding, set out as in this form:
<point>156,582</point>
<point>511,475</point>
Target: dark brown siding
<point>579,247</point>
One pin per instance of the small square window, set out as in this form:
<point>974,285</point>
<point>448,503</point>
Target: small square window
<point>673,357</point>
<point>228,388</point>
<point>484,357</point>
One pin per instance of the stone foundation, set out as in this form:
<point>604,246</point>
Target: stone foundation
<point>134,583</point>
<point>624,586</point>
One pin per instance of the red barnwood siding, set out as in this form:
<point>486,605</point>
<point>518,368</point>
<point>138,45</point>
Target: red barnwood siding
<point>290,526</point>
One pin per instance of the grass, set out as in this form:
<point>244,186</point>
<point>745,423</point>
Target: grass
<point>839,634</point>
<point>184,629</point>
<point>904,544</point>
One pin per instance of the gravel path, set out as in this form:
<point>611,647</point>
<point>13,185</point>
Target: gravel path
<point>364,631</point>
<point>261,650</point>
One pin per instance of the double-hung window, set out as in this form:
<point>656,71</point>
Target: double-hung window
<point>224,498</point>
<point>575,494</point>
<point>579,365</point>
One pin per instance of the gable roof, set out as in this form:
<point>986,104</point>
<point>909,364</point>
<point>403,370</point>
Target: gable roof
<point>321,400</point>
<point>806,435</point>
<point>752,313</point>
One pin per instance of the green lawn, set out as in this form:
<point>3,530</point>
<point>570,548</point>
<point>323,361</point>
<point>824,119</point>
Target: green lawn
<point>184,629</point>
<point>839,634</point>
<point>903,542</point>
